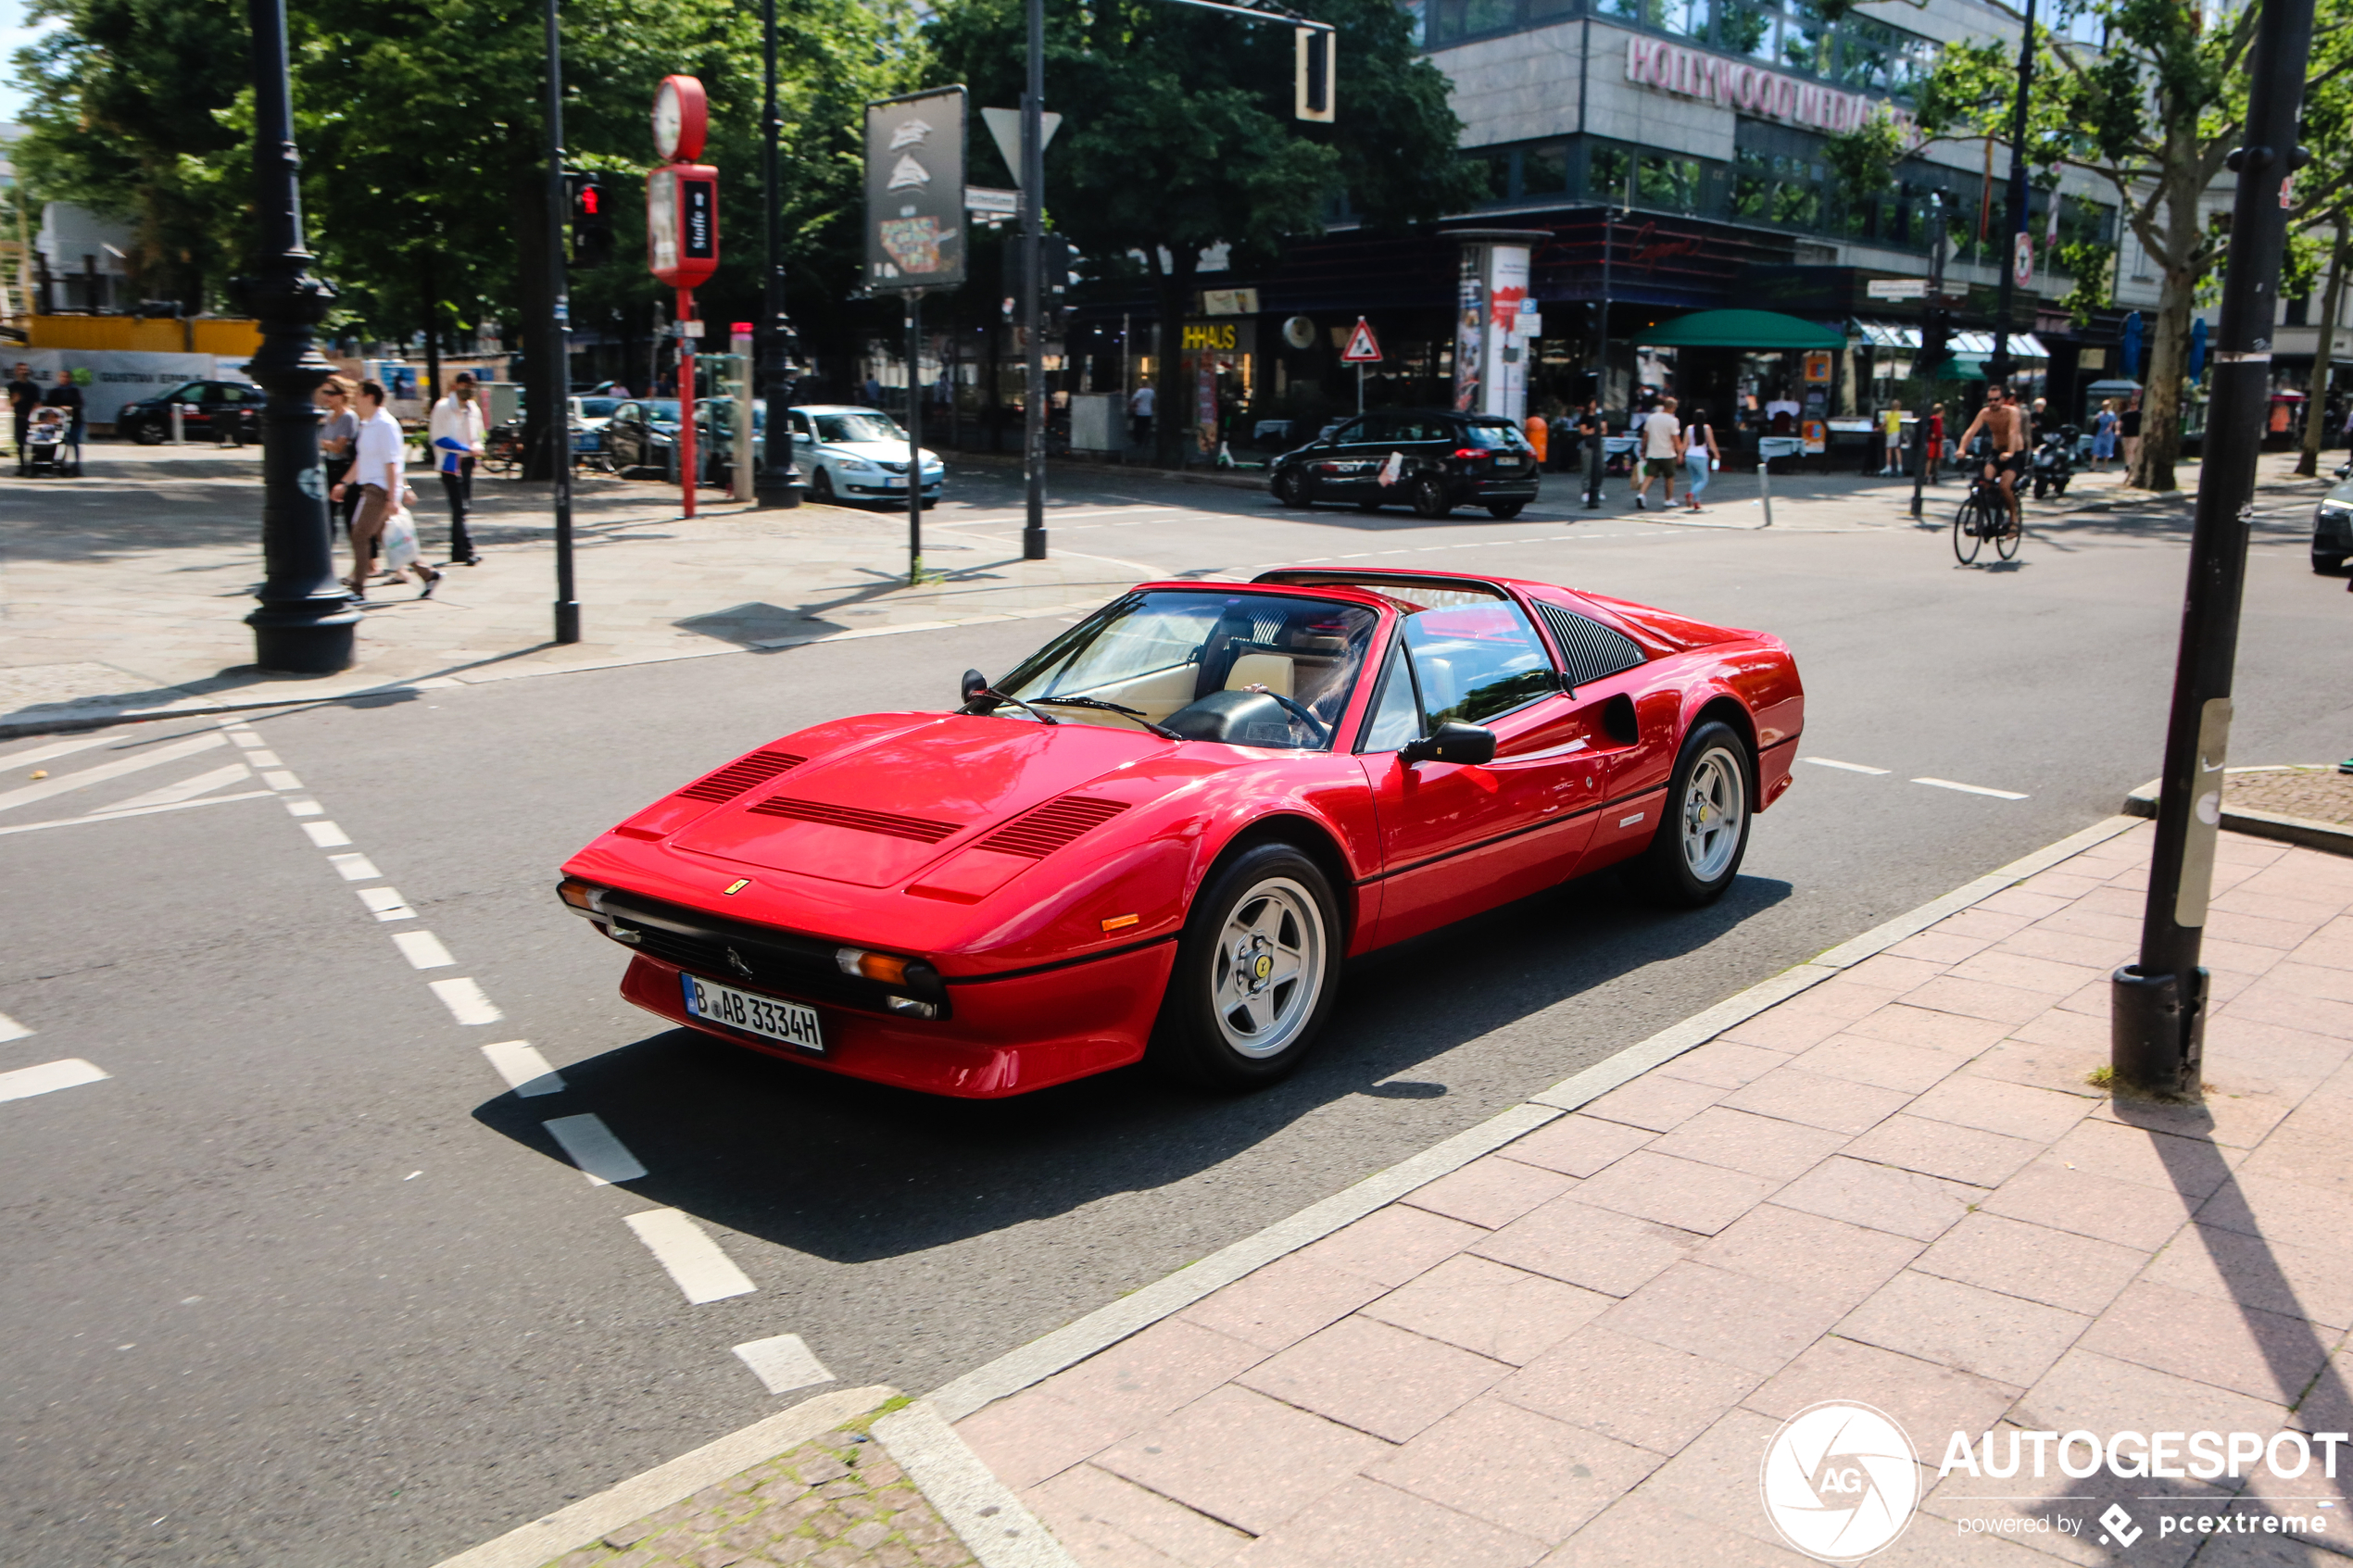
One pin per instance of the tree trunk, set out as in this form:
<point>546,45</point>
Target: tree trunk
<point>544,380</point>
<point>2170,345</point>
<point>2316,394</point>
<point>1171,398</point>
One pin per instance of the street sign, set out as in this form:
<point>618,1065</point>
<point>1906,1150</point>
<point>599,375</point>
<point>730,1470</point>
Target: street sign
<point>981,198</point>
<point>682,224</point>
<point>915,191</point>
<point>2022,259</point>
<point>1897,288</point>
<point>1004,129</point>
<point>1362,348</point>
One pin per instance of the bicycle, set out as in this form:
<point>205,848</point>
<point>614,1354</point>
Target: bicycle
<point>1984,514</point>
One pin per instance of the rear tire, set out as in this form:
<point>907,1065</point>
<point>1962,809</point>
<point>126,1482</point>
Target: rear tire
<point>1505,509</point>
<point>1256,971</point>
<point>1430,496</point>
<point>2009,532</point>
<point>1703,828</point>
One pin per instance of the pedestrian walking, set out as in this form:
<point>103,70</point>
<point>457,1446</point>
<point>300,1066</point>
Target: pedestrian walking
<point>2103,425</point>
<point>2128,430</point>
<point>873,393</point>
<point>1891,424</point>
<point>1662,449</point>
<point>1140,415</point>
<point>455,435</point>
<point>1933,447</point>
<point>379,451</point>
<point>338,440</point>
<point>24,397</point>
<point>66,396</point>
<point>1700,455</point>
<point>1592,435</point>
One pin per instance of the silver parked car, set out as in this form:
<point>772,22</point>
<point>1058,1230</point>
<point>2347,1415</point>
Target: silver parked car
<point>853,454</point>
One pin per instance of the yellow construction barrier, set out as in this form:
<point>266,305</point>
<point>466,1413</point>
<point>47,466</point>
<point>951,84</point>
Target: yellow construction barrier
<point>227,335</point>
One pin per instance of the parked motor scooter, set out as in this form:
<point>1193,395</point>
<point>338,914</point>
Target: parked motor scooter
<point>2052,464</point>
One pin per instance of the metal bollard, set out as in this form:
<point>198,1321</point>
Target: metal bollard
<point>179,424</point>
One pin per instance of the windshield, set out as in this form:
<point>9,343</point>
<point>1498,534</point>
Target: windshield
<point>661,410</point>
<point>1194,662</point>
<point>594,408</point>
<point>857,427</point>
<point>1493,437</point>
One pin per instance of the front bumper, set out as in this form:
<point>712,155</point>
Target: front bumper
<point>2333,534</point>
<point>1005,1036</point>
<point>876,488</point>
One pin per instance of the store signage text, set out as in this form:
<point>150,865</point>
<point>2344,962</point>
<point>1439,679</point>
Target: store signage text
<point>1214,336</point>
<point>1689,73</point>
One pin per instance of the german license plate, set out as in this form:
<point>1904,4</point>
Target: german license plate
<point>895,481</point>
<point>766,1016</point>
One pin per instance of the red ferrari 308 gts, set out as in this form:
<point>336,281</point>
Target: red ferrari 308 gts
<point>1165,831</point>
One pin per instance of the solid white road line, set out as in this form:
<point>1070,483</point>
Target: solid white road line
<point>119,768</point>
<point>26,1081</point>
<point>326,835</point>
<point>466,1002</point>
<point>11,1029</point>
<point>423,949</point>
<point>140,811</point>
<point>1972,789</point>
<point>524,1069</point>
<point>1843,767</point>
<point>187,789</point>
<point>386,903</point>
<point>783,1363</point>
<point>678,1244</point>
<point>601,1157</point>
<point>353,867</point>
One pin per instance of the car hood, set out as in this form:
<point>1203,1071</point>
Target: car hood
<point>874,451</point>
<point>877,809</point>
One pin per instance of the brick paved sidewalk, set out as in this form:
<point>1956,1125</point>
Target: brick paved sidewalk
<point>1899,1186</point>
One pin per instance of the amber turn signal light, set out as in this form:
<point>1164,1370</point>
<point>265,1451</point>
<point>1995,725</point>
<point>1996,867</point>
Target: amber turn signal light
<point>872,966</point>
<point>580,895</point>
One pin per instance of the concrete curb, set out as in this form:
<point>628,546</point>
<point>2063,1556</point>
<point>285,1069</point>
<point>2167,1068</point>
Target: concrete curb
<point>1131,1314</point>
<point>576,1524</point>
<point>1256,479</point>
<point>982,1510</point>
<point>2331,838</point>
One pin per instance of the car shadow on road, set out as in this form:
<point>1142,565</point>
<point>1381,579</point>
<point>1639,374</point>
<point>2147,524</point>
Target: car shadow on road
<point>854,1173</point>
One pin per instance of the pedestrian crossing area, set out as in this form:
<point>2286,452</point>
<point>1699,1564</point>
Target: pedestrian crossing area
<point>76,780</point>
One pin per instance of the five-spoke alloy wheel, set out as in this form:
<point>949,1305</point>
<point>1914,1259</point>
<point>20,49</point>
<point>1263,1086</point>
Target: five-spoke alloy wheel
<point>1255,972</point>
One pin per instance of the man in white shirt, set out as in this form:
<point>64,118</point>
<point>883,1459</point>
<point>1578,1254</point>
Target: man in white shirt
<point>1662,454</point>
<point>1139,414</point>
<point>455,435</point>
<point>376,473</point>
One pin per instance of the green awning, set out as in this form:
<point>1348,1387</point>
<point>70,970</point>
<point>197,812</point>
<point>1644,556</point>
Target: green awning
<point>1757,329</point>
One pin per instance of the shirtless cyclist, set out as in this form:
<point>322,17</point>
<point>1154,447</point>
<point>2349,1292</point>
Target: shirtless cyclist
<point>2006,436</point>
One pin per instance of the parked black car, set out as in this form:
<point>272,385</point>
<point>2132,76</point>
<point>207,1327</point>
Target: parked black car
<point>641,433</point>
<point>223,411</point>
<point>2333,525</point>
<point>1432,459</point>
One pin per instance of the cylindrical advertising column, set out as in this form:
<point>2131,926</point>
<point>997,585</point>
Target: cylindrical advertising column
<point>1490,352</point>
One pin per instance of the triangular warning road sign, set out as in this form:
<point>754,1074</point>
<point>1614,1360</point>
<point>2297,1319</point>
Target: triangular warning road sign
<point>1362,349</point>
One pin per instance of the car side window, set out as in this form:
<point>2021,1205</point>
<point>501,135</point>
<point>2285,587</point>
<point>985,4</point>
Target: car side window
<point>1353,431</point>
<point>1476,661</point>
<point>1396,719</point>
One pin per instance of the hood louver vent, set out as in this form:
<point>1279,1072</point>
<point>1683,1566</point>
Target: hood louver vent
<point>742,774</point>
<point>1040,832</point>
<point>856,821</point>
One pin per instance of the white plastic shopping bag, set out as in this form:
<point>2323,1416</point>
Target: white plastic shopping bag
<point>400,540</point>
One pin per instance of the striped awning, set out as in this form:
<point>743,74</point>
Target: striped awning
<point>2024,347</point>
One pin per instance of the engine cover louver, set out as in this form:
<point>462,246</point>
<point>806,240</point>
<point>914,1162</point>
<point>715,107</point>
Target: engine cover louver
<point>1039,833</point>
<point>742,774</point>
<point>855,820</point>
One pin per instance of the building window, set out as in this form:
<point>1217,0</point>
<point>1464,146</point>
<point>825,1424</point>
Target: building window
<point>2299,310</point>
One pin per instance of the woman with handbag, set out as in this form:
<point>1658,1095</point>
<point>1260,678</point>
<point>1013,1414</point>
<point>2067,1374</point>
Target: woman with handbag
<point>382,452</point>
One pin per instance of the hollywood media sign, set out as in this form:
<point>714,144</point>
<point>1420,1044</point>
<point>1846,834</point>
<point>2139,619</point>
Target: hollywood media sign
<point>1691,74</point>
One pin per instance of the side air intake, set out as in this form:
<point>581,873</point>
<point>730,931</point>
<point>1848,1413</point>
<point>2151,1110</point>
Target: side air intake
<point>1590,651</point>
<point>1039,833</point>
<point>742,774</point>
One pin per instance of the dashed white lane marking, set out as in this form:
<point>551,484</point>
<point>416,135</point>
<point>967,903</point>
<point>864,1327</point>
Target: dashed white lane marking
<point>1845,767</point>
<point>326,835</point>
<point>386,903</point>
<point>264,759</point>
<point>1972,789</point>
<point>783,1363</point>
<point>11,1029</point>
<point>187,789</point>
<point>250,739</point>
<point>140,811</point>
<point>280,779</point>
<point>353,867</point>
<point>678,1244</point>
<point>303,807</point>
<point>26,1081</point>
<point>119,767</point>
<point>602,1158</point>
<point>526,1072</point>
<point>423,949</point>
<point>466,1002</point>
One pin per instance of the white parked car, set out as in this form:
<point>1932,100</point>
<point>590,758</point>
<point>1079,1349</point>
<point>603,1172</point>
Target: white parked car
<point>854,454</point>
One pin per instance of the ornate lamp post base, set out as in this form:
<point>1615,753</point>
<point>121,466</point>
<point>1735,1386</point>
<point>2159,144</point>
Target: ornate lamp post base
<point>305,640</point>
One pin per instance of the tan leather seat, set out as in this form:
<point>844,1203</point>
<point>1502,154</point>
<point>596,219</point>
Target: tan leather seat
<point>1273,670</point>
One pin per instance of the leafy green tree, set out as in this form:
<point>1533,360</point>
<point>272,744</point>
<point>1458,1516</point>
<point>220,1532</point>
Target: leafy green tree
<point>1177,135</point>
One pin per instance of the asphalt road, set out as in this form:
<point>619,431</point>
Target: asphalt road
<point>301,1283</point>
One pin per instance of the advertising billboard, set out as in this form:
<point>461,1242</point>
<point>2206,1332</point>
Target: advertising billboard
<point>915,191</point>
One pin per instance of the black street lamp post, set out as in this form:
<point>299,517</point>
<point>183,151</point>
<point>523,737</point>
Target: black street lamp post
<point>774,485</point>
<point>559,417</point>
<point>2157,1018</point>
<point>1033,255</point>
<point>305,624</point>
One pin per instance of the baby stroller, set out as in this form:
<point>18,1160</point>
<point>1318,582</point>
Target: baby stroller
<point>49,446</point>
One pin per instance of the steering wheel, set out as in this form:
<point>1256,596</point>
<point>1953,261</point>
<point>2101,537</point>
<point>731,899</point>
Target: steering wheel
<point>1323,735</point>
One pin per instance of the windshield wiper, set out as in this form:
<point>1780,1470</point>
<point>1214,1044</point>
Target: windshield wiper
<point>1134,713</point>
<point>991,692</point>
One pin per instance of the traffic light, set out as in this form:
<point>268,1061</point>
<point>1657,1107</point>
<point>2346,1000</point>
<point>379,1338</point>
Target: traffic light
<point>1314,50</point>
<point>591,224</point>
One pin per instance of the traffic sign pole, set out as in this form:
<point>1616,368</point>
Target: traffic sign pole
<point>1362,349</point>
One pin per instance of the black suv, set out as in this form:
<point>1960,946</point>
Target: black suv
<point>1432,459</point>
<point>224,411</point>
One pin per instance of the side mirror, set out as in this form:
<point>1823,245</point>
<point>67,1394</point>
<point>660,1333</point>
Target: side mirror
<point>974,684</point>
<point>1454,742</point>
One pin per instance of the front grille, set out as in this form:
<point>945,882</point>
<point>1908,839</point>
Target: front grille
<point>1039,833</point>
<point>740,953</point>
<point>1590,651</point>
<point>890,465</point>
<point>742,774</point>
<point>855,820</point>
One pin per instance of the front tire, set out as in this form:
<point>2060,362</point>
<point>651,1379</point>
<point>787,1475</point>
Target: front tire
<point>2327,566</point>
<point>1969,532</point>
<point>1294,489</point>
<point>821,487</point>
<point>1703,829</point>
<point>1256,975</point>
<point>146,434</point>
